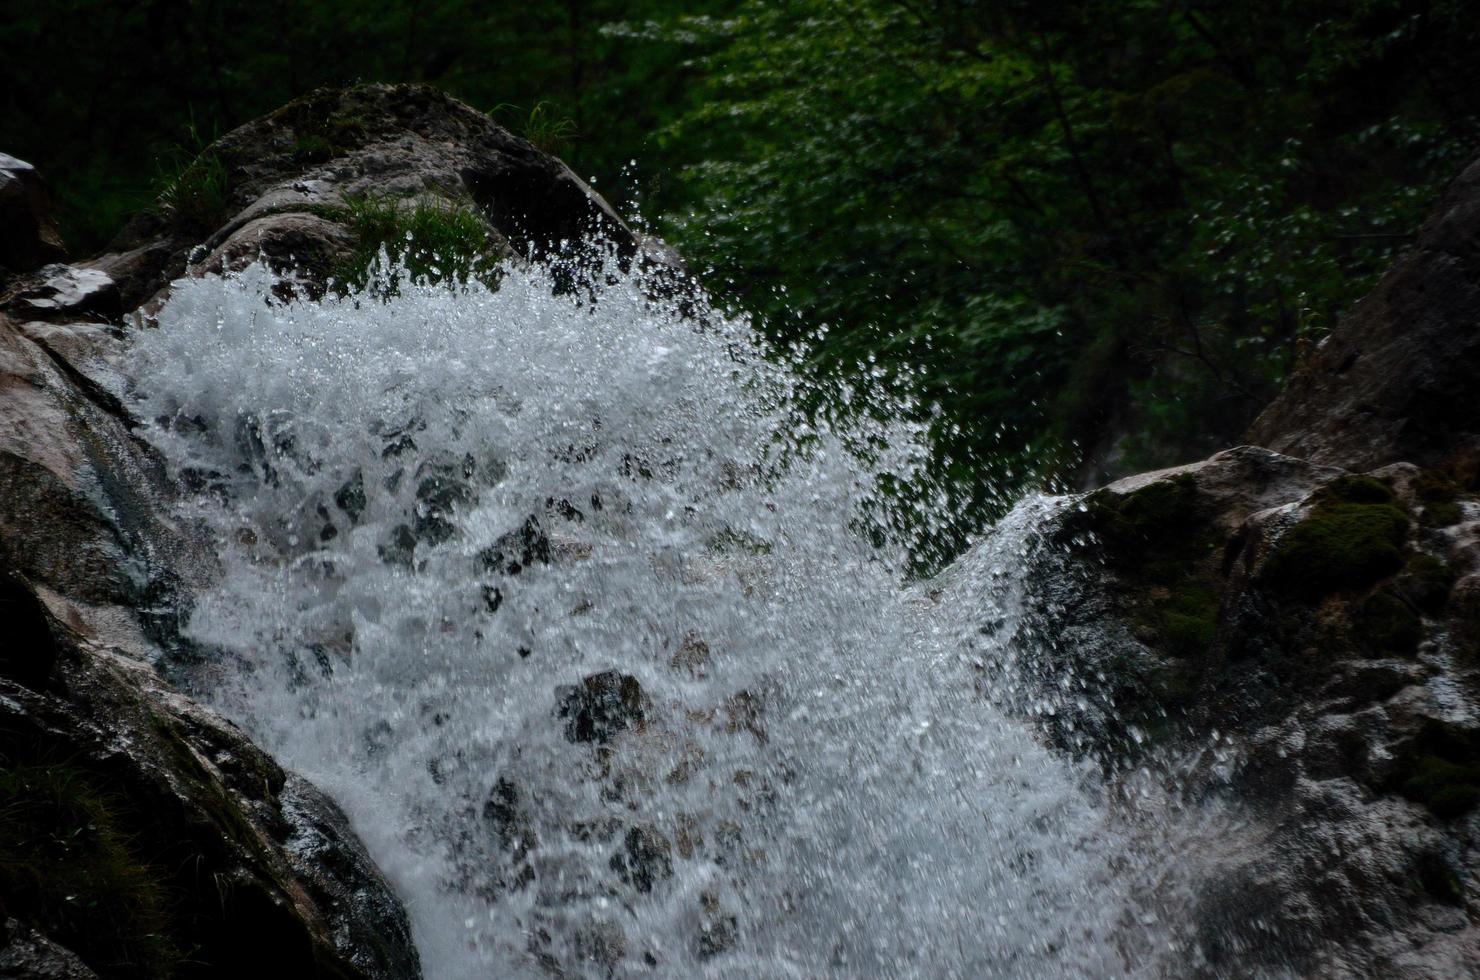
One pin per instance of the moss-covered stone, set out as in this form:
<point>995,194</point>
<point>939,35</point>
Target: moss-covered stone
<point>1441,770</point>
<point>1340,545</point>
<point>1181,621</point>
<point>1355,490</point>
<point>1156,513</point>
<point>1440,500</point>
<point>1385,625</point>
<point>1425,581</point>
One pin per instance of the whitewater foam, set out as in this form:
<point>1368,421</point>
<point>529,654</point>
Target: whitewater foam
<point>440,514</point>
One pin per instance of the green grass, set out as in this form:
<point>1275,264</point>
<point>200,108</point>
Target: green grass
<point>432,240</point>
<point>69,863</point>
<point>197,192</point>
<point>542,125</point>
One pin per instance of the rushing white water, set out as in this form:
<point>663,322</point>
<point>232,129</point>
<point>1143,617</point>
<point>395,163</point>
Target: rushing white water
<point>440,514</point>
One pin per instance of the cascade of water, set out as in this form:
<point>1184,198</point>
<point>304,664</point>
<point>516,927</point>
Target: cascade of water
<point>566,605</point>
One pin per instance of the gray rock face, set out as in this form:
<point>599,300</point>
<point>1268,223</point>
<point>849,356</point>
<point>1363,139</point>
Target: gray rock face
<point>28,955</point>
<point>1396,379</point>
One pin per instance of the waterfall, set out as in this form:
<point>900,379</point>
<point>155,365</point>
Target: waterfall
<point>590,619</point>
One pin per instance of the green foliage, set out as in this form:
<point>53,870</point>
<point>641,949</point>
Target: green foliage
<point>1338,546</point>
<point>433,240</point>
<point>69,863</point>
<point>1107,238</point>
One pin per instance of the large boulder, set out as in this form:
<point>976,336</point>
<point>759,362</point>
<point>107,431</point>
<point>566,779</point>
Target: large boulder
<point>200,856</point>
<point>1295,641</point>
<point>191,852</point>
<point>28,237</point>
<point>285,187</point>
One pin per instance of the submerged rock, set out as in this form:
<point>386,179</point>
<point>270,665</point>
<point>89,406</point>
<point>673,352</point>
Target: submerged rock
<point>601,707</point>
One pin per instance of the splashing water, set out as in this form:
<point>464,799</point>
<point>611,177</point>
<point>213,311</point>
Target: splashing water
<point>570,610</point>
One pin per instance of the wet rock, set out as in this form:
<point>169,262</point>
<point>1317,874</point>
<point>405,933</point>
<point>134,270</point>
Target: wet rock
<point>601,707</point>
<point>350,497</point>
<point>517,550</point>
<point>1298,628</point>
<point>175,801</point>
<point>644,859</point>
<point>718,929</point>
<point>26,954</point>
<point>67,291</point>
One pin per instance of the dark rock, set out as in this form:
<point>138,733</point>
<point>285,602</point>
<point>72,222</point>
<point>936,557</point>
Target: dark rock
<point>645,858</point>
<point>517,550</point>
<point>63,292</point>
<point>1395,380</point>
<point>26,954</point>
<point>28,238</point>
<point>178,801</point>
<point>601,707</point>
<point>30,651</point>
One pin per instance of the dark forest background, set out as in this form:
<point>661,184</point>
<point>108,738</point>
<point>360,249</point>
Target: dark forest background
<point>1105,230</point>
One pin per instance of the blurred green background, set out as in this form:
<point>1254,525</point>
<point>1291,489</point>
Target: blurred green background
<point>1097,233</point>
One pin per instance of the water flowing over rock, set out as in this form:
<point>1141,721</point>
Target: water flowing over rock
<point>553,586</point>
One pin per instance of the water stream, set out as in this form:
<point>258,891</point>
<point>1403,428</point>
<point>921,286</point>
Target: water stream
<point>572,612</point>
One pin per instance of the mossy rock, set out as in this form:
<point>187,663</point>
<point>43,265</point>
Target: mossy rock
<point>1385,625</point>
<point>1355,490</point>
<point>1440,499</point>
<point>1180,621</point>
<point>1441,770</point>
<point>1340,545</point>
<point>1160,512</point>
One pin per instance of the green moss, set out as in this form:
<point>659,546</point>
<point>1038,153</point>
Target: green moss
<point>1159,512</point>
<point>1182,622</point>
<point>1355,490</point>
<point>1440,499</point>
<point>1441,770</point>
<point>1339,546</point>
<point>1385,625</point>
<point>434,240</point>
<point>69,862</point>
<point>312,148</point>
